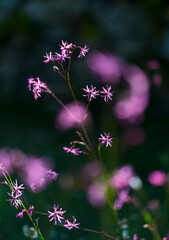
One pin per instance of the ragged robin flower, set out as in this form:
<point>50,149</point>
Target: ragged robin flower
<point>70,225</point>
<point>105,139</point>
<point>37,87</point>
<point>56,215</point>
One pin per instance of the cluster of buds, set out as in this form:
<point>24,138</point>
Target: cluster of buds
<point>91,92</point>
<point>57,215</point>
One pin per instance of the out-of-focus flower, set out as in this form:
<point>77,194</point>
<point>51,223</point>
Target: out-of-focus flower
<point>153,205</point>
<point>49,57</point>
<point>123,197</point>
<point>122,177</point>
<point>132,107</point>
<point>70,225</point>
<point>157,79</point>
<point>92,169</point>
<point>5,160</point>
<point>65,120</point>
<point>30,232</point>
<point>56,215</point>
<point>52,175</point>
<point>90,92</point>
<point>106,66</point>
<point>157,178</point>
<point>106,139</point>
<point>106,93</point>
<point>135,136</point>
<point>34,174</point>
<point>83,51</point>
<point>73,150</point>
<point>96,195</point>
<point>37,87</point>
<point>153,64</point>
<point>135,237</point>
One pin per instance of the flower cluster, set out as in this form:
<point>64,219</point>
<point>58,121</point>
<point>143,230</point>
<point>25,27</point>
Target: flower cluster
<point>91,92</point>
<point>57,215</point>
<point>66,50</point>
<point>16,193</point>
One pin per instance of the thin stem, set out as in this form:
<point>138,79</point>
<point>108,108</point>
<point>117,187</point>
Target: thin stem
<point>97,232</point>
<point>63,105</point>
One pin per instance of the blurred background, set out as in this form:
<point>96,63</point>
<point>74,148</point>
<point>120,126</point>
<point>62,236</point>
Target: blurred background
<point>129,50</point>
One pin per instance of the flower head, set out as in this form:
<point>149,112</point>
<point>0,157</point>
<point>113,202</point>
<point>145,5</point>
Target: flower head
<point>106,139</point>
<point>66,47</point>
<point>73,150</point>
<point>106,94</point>
<point>49,57</point>
<point>90,92</point>
<point>70,225</point>
<point>52,175</point>
<point>83,51</point>
<point>37,87</point>
<point>17,189</point>
<point>61,57</point>
<point>15,201</point>
<point>56,215</point>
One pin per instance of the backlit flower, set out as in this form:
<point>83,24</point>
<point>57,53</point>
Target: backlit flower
<point>49,57</point>
<point>17,189</point>
<point>70,225</point>
<point>73,150</point>
<point>52,175</point>
<point>90,92</point>
<point>106,94</point>
<point>83,51</point>
<point>37,87</point>
<point>56,215</point>
<point>105,139</point>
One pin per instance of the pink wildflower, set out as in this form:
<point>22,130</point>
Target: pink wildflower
<point>52,175</point>
<point>30,210</point>
<point>15,201</point>
<point>90,92</point>
<point>105,140</point>
<point>121,177</point>
<point>17,189</point>
<point>66,47</point>
<point>70,225</point>
<point>157,178</point>
<point>49,57</point>
<point>83,51</point>
<point>61,57</point>
<point>73,150</point>
<point>106,93</point>
<point>20,214</point>
<point>56,215</point>
<point>135,237</point>
<point>37,87</point>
